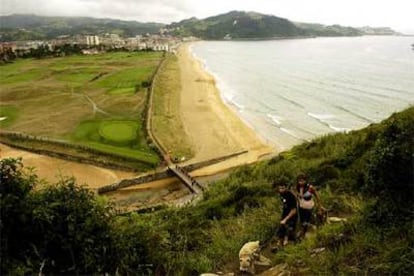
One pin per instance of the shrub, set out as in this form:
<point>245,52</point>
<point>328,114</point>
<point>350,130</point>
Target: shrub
<point>61,229</point>
<point>390,171</point>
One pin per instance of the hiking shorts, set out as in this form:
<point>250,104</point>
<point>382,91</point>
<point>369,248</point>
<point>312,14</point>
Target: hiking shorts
<point>287,230</point>
<point>305,216</point>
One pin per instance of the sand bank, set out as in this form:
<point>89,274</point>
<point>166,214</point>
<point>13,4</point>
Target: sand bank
<point>53,169</point>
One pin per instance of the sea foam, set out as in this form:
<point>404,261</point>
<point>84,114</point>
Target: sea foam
<point>275,119</point>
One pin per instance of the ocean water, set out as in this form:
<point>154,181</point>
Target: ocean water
<point>290,91</point>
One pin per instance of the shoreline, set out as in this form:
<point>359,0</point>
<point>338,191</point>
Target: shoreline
<point>224,131</point>
<point>232,106</point>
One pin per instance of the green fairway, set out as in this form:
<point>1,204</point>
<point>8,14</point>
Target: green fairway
<point>95,100</point>
<point>76,75</point>
<point>124,81</point>
<point>7,115</point>
<point>21,76</point>
<point>122,91</point>
<point>139,155</point>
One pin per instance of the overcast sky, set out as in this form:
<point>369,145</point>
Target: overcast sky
<point>398,14</point>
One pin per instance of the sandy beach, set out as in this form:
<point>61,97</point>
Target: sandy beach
<point>213,127</point>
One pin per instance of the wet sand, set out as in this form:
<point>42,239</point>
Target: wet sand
<point>53,169</point>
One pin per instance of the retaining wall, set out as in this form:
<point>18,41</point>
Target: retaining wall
<point>10,138</point>
<point>163,174</point>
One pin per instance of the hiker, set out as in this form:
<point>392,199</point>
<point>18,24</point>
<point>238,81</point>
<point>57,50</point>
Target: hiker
<point>305,192</point>
<point>287,226</point>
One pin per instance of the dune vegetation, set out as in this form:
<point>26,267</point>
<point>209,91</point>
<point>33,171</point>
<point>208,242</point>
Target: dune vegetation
<point>166,122</point>
<point>365,176</point>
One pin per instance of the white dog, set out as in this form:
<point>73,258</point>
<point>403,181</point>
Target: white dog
<point>249,255</point>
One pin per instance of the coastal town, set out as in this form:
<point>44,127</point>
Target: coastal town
<point>91,44</point>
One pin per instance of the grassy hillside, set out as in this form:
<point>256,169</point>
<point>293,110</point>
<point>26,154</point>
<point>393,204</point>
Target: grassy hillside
<point>31,27</point>
<point>365,175</point>
<point>95,101</point>
<point>331,30</point>
<point>237,25</point>
<point>252,25</point>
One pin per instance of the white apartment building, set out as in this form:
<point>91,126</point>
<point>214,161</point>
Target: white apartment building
<point>92,40</point>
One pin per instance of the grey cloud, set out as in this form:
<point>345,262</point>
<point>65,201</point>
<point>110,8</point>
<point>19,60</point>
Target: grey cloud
<point>145,10</point>
<point>142,10</point>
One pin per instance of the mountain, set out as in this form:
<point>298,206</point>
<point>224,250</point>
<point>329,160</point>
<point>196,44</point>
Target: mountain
<point>231,25</point>
<point>378,31</point>
<point>32,27</point>
<point>238,25</point>
<point>313,29</point>
<point>337,30</point>
<point>252,25</point>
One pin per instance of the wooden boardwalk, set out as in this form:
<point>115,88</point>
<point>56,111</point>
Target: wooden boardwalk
<point>187,179</point>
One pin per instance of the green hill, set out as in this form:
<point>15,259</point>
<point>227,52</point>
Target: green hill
<point>312,29</point>
<point>365,175</point>
<point>252,25</point>
<point>238,25</point>
<point>234,25</point>
<point>31,27</point>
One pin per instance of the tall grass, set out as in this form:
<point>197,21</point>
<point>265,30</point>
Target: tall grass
<point>244,208</point>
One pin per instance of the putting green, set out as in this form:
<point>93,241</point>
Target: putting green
<point>118,131</point>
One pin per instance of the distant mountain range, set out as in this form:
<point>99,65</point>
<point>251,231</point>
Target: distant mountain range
<point>232,25</point>
<point>252,25</point>
<point>237,25</point>
<point>32,27</point>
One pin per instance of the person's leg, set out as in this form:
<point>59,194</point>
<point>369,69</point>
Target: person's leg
<point>305,217</point>
<point>291,229</point>
<point>281,234</point>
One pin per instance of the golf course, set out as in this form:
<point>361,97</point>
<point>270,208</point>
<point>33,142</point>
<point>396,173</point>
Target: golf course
<point>95,102</point>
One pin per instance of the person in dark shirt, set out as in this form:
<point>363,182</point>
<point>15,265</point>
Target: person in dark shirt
<point>288,219</point>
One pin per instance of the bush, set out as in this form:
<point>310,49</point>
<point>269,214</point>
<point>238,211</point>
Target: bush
<point>60,229</point>
<point>15,206</point>
<point>390,171</point>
